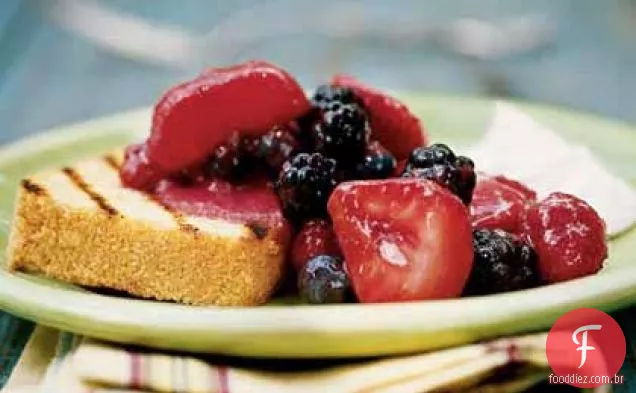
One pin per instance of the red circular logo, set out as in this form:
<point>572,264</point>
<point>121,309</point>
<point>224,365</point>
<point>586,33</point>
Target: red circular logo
<point>585,348</point>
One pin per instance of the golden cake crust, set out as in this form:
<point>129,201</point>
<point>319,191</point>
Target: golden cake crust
<point>70,228</point>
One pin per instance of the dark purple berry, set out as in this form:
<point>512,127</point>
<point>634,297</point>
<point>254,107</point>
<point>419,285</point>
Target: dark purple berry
<point>377,163</point>
<point>323,280</point>
<point>326,95</point>
<point>305,184</point>
<point>342,133</point>
<point>503,262</point>
<point>439,163</point>
<point>277,146</point>
<point>227,161</point>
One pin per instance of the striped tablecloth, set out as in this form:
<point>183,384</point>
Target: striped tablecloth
<point>15,333</point>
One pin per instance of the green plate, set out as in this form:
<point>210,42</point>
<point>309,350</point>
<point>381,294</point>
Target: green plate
<point>285,330</point>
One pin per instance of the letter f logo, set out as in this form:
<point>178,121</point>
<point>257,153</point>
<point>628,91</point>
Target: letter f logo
<point>584,347</point>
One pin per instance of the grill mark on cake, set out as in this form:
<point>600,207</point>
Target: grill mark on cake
<point>80,183</point>
<point>112,161</point>
<point>179,218</point>
<point>33,188</point>
<point>259,230</point>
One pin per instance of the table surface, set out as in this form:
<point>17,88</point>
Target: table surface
<point>49,76</point>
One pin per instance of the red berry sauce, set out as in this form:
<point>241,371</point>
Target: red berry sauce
<point>193,118</point>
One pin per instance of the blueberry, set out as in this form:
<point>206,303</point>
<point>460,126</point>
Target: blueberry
<point>377,163</point>
<point>323,280</point>
<point>440,164</point>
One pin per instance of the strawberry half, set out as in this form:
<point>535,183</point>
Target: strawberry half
<point>499,203</point>
<point>402,239</point>
<point>392,123</point>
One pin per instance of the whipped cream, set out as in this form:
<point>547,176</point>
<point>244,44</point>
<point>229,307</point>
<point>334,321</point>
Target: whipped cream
<point>510,148</point>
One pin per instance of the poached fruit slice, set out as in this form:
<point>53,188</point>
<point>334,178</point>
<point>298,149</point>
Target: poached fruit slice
<point>253,202</point>
<point>193,118</point>
<point>402,239</point>
<point>499,203</point>
<point>392,124</point>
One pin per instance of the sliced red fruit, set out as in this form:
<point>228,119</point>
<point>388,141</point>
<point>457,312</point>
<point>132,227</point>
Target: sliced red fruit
<point>392,123</point>
<point>498,205</point>
<point>193,118</point>
<point>253,202</point>
<point>399,168</point>
<point>568,235</point>
<point>526,191</point>
<point>402,239</point>
<point>316,237</point>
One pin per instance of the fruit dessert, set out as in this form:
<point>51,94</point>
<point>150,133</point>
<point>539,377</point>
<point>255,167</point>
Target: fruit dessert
<point>244,178</point>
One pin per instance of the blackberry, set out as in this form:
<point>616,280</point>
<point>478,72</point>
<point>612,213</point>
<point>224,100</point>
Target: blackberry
<point>326,95</point>
<point>323,280</point>
<point>342,132</point>
<point>377,163</point>
<point>439,163</point>
<point>227,161</point>
<point>277,146</point>
<point>304,185</point>
<point>502,263</point>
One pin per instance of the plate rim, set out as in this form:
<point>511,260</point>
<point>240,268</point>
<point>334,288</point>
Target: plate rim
<point>331,319</point>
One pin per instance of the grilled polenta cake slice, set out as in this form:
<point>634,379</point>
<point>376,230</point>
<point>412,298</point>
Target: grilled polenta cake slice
<point>80,225</point>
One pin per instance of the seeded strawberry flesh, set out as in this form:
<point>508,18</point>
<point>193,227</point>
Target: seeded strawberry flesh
<point>497,205</point>
<point>402,239</point>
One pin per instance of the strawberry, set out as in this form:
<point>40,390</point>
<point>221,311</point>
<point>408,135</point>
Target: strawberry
<point>315,238</point>
<point>498,203</point>
<point>195,117</point>
<point>568,235</point>
<point>528,193</point>
<point>392,123</point>
<point>399,168</point>
<point>403,239</point>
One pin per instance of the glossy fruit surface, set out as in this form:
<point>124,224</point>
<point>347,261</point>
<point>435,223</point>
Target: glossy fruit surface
<point>402,239</point>
<point>568,235</point>
<point>392,123</point>
<point>193,118</point>
<point>497,205</point>
<point>316,237</point>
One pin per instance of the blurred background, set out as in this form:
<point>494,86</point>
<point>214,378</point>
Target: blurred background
<point>68,60</point>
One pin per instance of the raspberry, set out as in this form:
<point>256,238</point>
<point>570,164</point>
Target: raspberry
<point>342,133</point>
<point>569,237</point>
<point>439,163</point>
<point>305,184</point>
<point>315,238</point>
<point>377,163</point>
<point>323,280</point>
<point>502,263</point>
